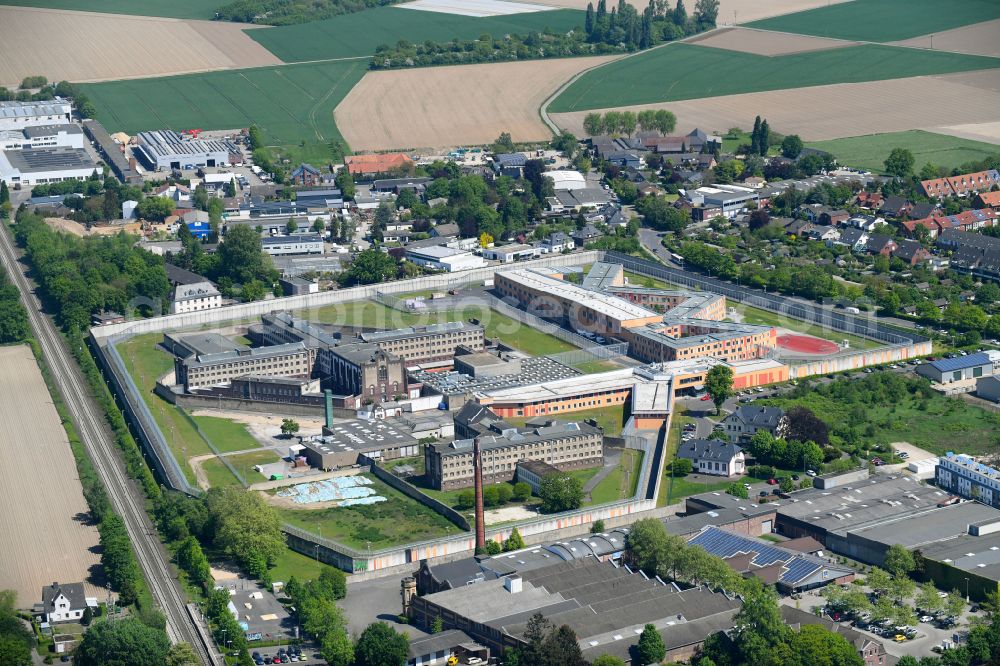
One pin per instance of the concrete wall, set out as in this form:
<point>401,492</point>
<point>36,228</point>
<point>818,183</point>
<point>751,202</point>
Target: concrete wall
<point>834,480</point>
<point>861,359</point>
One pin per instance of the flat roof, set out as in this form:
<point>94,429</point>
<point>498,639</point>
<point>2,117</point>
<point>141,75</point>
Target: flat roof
<point>287,240</point>
<point>436,252</point>
<point>14,109</point>
<point>933,525</point>
<point>35,160</point>
<point>356,435</point>
<point>610,306</point>
<point>558,388</point>
<point>419,331</point>
<point>50,130</point>
<point>533,370</point>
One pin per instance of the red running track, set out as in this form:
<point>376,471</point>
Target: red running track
<point>806,344</point>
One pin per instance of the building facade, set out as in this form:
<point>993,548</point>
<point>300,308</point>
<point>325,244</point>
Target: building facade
<point>299,244</point>
<point>423,344</point>
<point>963,476</point>
<point>18,115</point>
<point>197,371</point>
<point>744,423</point>
<point>195,298</point>
<point>713,457</point>
<point>364,370</point>
<point>163,150</point>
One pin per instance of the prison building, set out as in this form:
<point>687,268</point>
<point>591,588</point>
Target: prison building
<point>426,344</point>
<point>679,341</point>
<point>362,369</point>
<point>678,303</point>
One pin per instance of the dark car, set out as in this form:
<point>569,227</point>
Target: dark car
<point>795,477</point>
<point>764,493</point>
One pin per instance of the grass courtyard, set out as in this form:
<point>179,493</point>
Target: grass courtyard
<point>869,152</point>
<point>397,521</point>
<point>621,482</point>
<point>218,473</point>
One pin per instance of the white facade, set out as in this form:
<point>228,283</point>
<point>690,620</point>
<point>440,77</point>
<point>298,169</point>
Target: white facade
<point>27,168</point>
<point>42,136</point>
<point>508,254</point>
<point>166,149</point>
<point>18,115</point>
<point>442,258</point>
<point>566,180</point>
<point>64,611</point>
<point>195,297</point>
<point>279,245</point>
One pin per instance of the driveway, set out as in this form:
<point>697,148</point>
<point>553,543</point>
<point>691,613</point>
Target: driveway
<point>650,239</point>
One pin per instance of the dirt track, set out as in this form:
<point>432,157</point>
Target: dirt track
<point>765,43</point>
<point>40,497</point>
<point>86,46</point>
<point>835,111</point>
<point>978,39</point>
<point>439,107</point>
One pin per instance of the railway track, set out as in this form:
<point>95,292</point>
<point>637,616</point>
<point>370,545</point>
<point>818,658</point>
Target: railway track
<point>125,497</point>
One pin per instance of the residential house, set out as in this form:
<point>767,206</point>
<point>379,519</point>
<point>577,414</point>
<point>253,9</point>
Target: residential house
<point>920,210</point>
<point>179,194</point>
<point>445,230</point>
<point>961,185</point>
<point>911,252</point>
<point>869,200</point>
<point>871,650</point>
<point>583,236</point>
<point>894,206</point>
<point>626,159</point>
<point>825,215</point>
<point>309,176</point>
<point>971,220</point>
<point>509,164</point>
<point>987,200</point>
<point>931,224</point>
<point>64,602</point>
<point>713,457</point>
<point>865,222</point>
<point>744,423</point>
<point>821,233</point>
<point>556,242</point>
<point>852,237</point>
<point>880,244</point>
<point>756,182</point>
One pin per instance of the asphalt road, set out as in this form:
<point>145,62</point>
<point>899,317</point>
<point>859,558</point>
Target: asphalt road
<point>650,239</point>
<point>126,498</point>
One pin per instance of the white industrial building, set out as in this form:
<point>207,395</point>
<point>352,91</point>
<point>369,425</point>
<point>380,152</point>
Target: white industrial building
<point>298,244</point>
<point>166,149</point>
<point>42,136</point>
<point>36,166</point>
<point>732,200</point>
<point>442,258</point>
<point>566,180</point>
<point>18,115</point>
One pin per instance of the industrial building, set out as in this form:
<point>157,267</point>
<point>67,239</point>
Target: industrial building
<point>961,369</point>
<point>36,166</point>
<point>165,149</point>
<point>343,441</point>
<point>443,258</point>
<point>42,136</point>
<point>564,445</point>
<point>605,605</point>
<point>16,115</point>
<point>725,200</point>
<point>297,244</point>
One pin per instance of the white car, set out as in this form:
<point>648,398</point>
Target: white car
<point>926,619</point>
<point>809,472</point>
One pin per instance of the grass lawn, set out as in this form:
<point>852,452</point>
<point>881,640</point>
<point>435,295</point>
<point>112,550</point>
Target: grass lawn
<point>399,520</point>
<point>596,365</point>
<point>181,9</point>
<point>869,152</point>
<point>292,104</point>
<point>295,564</point>
<point>376,315</point>
<point>758,317</point>
<point>929,420</point>
<point>677,424</point>
<point>359,34</point>
<point>610,418</point>
<point>883,20</point>
<point>613,487</point>
<point>701,71</point>
<point>219,475</point>
<point>226,435</point>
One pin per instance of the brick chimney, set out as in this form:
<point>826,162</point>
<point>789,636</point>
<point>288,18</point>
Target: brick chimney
<point>477,465</point>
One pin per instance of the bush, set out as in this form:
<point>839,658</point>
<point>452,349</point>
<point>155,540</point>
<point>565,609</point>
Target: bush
<point>504,493</point>
<point>466,499</point>
<point>522,491</point>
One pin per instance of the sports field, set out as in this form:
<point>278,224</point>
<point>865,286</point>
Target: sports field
<point>194,9</point>
<point>883,20</point>
<point>869,152</point>
<point>359,34</point>
<point>290,103</point>
<point>683,71</point>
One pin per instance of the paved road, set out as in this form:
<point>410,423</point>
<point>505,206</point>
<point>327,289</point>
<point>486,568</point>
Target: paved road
<point>650,239</point>
<point>125,496</point>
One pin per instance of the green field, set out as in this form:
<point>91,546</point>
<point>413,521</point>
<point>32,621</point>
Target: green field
<point>219,475</point>
<point>290,103</point>
<point>359,34</point>
<point>226,435</point>
<point>397,521</point>
<point>869,152</point>
<point>376,315</point>
<point>181,9</point>
<point>613,487</point>
<point>883,20</point>
<point>684,71</point>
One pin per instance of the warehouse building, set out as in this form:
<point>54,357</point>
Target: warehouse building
<point>297,244</point>
<point>563,445</point>
<point>163,150</point>
<point>961,369</point>
<point>343,443</point>
<point>18,115</point>
<point>36,166</point>
<point>443,258</point>
<point>42,136</point>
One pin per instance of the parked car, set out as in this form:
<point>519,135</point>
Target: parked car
<point>772,482</point>
<point>809,472</point>
<point>926,619</point>
<point>705,397</point>
<point>795,477</point>
<point>899,638</point>
<point>764,493</point>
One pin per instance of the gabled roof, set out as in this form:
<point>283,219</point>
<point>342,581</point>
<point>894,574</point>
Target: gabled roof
<point>72,591</point>
<point>708,449</point>
<point>761,417</point>
<point>961,362</point>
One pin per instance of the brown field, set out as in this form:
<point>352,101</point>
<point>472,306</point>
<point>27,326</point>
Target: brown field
<point>988,132</point>
<point>85,46</point>
<point>439,107</point>
<point>840,110</point>
<point>766,43</point>
<point>730,11</point>
<point>978,39</point>
<point>40,497</point>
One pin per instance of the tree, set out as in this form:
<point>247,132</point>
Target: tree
<point>291,226</point>
<point>562,647</point>
<point>597,526</point>
<point>345,183</point>
<point>805,426</point>
<point>755,137</point>
<point>4,192</point>
<point>155,208</point>
<point>765,137</point>
<point>627,122</point>
<point>928,600</point>
<point>241,257</point>
<point>88,616</point>
<point>647,540</point>
<point>954,603</point>
<point>437,626</point>
<point>791,146</point>
<point>899,163</point>
<point>758,625</point>
<point>786,485</point>
<point>289,427</point>
<point>182,654</point>
<point>665,121</point>
<point>660,214</point>
<point>593,124</point>
<point>126,642</point>
<point>878,580</point>
<point>337,648</point>
<point>560,492</point>
<point>651,648</point>
<point>719,384</point>
<point>246,527</point>
<point>370,266</point>
<point>466,499</point>
<point>504,144</point>
<point>14,652</point>
<point>898,560</point>
<point>737,490</point>
<point>522,491</point>
<point>319,226</point>
<point>608,660</point>
<point>706,12</point>
<point>514,541</point>
<point>381,645</point>
<point>900,589</point>
<point>817,646</point>
<point>681,467</point>
<point>485,240</point>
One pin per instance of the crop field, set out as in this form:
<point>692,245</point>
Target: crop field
<point>359,34</point>
<point>85,46</point>
<point>190,9</point>
<point>290,103</point>
<point>44,512</point>
<point>869,152</point>
<point>766,43</point>
<point>846,109</point>
<point>684,71</point>
<point>472,104</point>
<point>883,20</point>
<point>730,11</point>
<point>980,38</point>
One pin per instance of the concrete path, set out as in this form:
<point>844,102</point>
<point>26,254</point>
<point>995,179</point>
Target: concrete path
<point>611,459</point>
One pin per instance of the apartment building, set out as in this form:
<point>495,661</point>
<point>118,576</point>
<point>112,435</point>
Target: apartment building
<point>563,445</point>
<point>962,475</point>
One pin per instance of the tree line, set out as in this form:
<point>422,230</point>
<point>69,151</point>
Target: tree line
<point>287,12</point>
<point>626,122</point>
<point>49,91</point>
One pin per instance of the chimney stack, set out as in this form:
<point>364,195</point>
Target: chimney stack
<point>328,408</point>
<point>477,465</point>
